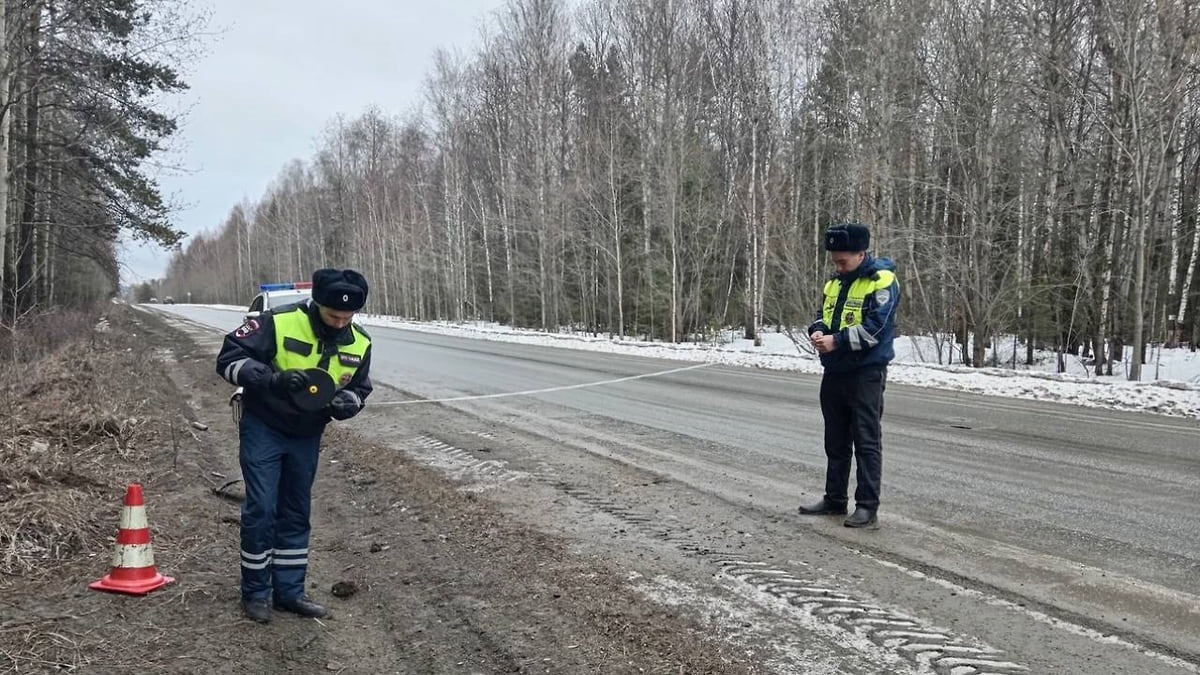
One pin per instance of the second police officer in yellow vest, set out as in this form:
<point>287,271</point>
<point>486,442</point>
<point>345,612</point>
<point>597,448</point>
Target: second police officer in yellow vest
<point>853,334</point>
<point>267,356</point>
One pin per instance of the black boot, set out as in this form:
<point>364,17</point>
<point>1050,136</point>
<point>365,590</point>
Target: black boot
<point>257,610</point>
<point>862,517</point>
<point>823,508</point>
<point>302,605</point>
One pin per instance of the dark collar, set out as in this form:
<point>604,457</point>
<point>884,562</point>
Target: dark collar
<point>341,336</point>
<point>866,269</point>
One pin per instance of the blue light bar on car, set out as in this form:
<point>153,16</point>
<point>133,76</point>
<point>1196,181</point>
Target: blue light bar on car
<point>276,287</point>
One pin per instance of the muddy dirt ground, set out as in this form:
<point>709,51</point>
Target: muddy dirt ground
<point>446,583</point>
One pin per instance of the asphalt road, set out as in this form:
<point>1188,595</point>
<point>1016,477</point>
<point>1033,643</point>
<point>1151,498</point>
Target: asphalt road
<point>1085,513</point>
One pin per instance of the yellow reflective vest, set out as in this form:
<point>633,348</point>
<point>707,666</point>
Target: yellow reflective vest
<point>297,346</point>
<point>852,308</point>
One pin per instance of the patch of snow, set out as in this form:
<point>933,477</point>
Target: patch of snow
<point>1176,392</point>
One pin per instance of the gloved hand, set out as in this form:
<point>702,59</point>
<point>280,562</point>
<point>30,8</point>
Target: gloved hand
<point>288,381</point>
<point>343,406</point>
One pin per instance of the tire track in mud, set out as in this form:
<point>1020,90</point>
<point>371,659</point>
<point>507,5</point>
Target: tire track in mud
<point>461,463</point>
<point>928,648</point>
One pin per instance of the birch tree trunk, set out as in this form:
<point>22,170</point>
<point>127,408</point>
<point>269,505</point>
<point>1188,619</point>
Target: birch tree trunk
<point>1182,316</point>
<point>6,63</point>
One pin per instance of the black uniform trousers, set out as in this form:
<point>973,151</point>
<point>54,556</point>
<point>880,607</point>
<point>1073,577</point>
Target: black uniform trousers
<point>852,405</point>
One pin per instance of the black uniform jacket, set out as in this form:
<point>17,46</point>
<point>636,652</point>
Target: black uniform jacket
<point>246,360</point>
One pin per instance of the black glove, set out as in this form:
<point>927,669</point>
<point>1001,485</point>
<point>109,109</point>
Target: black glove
<point>288,381</point>
<point>343,406</point>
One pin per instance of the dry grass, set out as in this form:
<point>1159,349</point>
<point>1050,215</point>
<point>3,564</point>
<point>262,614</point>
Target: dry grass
<point>79,411</point>
<point>83,406</point>
<point>32,336</point>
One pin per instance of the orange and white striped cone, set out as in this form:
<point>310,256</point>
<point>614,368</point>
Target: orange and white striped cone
<point>133,569</point>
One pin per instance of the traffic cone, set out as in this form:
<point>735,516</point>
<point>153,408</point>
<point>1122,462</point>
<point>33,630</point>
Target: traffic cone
<point>133,568</point>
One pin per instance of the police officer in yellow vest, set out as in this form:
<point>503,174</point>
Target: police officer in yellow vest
<point>268,356</point>
<point>853,334</point>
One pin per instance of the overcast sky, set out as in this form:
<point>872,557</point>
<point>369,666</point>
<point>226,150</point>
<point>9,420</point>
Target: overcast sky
<point>274,76</point>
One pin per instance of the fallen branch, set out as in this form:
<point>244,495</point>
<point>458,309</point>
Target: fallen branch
<point>17,623</point>
<point>220,490</point>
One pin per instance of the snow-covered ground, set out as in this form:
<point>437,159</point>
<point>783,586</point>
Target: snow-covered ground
<point>1176,391</point>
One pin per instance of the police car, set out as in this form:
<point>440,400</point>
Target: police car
<point>274,296</point>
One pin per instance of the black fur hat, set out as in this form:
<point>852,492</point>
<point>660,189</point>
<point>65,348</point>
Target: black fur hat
<point>848,237</point>
<point>344,290</point>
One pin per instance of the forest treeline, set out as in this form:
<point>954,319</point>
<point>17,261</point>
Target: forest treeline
<point>666,168</point>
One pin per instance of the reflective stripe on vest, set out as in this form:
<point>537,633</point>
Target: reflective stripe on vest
<point>297,346</point>
<point>852,309</point>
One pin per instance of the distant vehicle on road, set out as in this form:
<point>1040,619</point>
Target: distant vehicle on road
<point>274,296</point>
<point>168,300</point>
<point>154,299</point>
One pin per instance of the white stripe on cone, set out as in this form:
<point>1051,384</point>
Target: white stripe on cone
<point>133,555</point>
<point>134,518</point>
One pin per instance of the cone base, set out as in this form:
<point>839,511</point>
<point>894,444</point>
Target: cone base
<point>138,587</point>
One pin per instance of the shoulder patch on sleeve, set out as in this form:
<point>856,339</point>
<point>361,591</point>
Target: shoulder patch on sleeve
<point>247,329</point>
<point>883,296</point>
